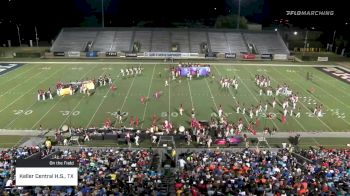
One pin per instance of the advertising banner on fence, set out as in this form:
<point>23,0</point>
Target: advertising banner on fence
<point>210,55</point>
<point>322,58</point>
<point>73,54</point>
<point>248,56</point>
<point>266,56</point>
<point>91,54</point>
<point>130,54</point>
<point>230,55</point>
<point>111,54</point>
<point>59,54</point>
<point>280,57</point>
<point>169,54</point>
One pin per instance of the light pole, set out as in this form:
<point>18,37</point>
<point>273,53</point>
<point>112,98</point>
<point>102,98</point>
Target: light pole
<point>239,13</point>
<point>19,36</point>
<point>36,37</point>
<point>103,15</point>
<point>305,42</point>
<point>333,39</point>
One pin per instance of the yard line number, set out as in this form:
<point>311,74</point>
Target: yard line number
<point>22,112</point>
<point>165,114</point>
<point>67,112</point>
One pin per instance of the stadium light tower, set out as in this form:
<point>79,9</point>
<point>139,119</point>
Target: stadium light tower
<point>305,42</point>
<point>239,13</point>
<point>19,36</point>
<point>36,37</point>
<point>103,14</point>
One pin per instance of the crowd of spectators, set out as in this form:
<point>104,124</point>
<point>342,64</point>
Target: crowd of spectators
<point>101,172</point>
<point>257,173</point>
<point>208,172</point>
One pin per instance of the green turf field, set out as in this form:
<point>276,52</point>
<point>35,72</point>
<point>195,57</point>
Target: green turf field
<point>19,108</point>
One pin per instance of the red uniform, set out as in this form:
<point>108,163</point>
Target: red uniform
<point>137,121</point>
<point>143,99</point>
<point>131,121</point>
<point>113,87</point>
<point>283,120</point>
<point>154,119</point>
<point>157,94</point>
<point>257,122</point>
<point>107,123</point>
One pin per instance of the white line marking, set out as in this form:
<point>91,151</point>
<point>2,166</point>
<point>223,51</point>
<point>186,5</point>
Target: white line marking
<point>98,108</point>
<point>169,115</point>
<point>304,105</point>
<point>189,88</point>
<point>149,91</point>
<point>58,102</point>
<point>12,78</point>
<point>217,70</point>
<point>127,94</point>
<point>9,124</point>
<point>254,96</point>
<point>23,82</point>
<point>212,96</point>
<point>71,111</point>
<point>46,78</point>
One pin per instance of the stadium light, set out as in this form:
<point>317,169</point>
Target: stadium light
<point>276,29</point>
<point>295,33</point>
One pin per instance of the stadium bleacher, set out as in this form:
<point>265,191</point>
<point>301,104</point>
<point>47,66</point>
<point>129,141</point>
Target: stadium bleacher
<point>162,39</point>
<point>267,43</point>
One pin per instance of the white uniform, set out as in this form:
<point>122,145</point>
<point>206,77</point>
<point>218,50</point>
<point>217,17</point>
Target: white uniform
<point>220,112</point>
<point>181,111</point>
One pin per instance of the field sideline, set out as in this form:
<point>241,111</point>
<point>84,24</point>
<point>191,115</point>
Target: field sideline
<point>19,108</point>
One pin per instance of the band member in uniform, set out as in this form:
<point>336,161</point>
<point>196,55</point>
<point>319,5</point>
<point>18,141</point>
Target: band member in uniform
<point>181,110</point>
<point>143,99</point>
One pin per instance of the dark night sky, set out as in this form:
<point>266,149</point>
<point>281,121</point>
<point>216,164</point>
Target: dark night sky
<point>51,15</point>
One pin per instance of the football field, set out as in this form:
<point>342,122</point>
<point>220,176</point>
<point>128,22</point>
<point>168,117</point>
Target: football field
<point>20,109</point>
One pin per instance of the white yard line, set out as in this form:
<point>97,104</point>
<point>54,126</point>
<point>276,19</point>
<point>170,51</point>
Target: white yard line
<point>46,78</point>
<point>347,122</point>
<point>212,96</point>
<point>301,125</point>
<point>148,94</point>
<point>58,102</point>
<point>12,78</point>
<point>189,88</point>
<point>102,101</point>
<point>10,123</point>
<point>254,96</point>
<point>330,129</point>
<point>43,116</point>
<point>340,101</point>
<point>169,115</point>
<point>23,82</point>
<point>217,70</point>
<point>70,114</point>
<point>127,94</point>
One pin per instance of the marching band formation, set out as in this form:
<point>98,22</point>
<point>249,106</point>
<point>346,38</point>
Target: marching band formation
<point>250,113</point>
